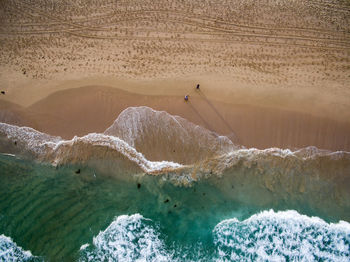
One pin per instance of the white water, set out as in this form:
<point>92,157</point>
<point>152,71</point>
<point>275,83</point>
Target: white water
<point>267,236</point>
<point>9,251</point>
<point>127,238</point>
<point>141,131</point>
<point>271,236</point>
<point>59,151</point>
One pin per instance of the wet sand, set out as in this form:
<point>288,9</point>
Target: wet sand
<point>88,109</point>
<point>271,73</point>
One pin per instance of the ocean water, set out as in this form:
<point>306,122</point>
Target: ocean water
<point>109,197</point>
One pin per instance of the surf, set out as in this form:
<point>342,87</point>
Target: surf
<point>265,236</point>
<point>184,153</point>
<point>127,184</point>
<point>10,251</point>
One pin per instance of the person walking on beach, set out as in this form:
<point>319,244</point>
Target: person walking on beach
<point>197,87</point>
<point>186,97</point>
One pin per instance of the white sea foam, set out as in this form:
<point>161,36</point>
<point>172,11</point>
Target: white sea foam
<point>6,154</point>
<point>118,145</point>
<point>141,132</point>
<point>303,153</point>
<point>57,150</point>
<point>267,236</point>
<point>83,247</point>
<point>282,236</point>
<point>127,238</point>
<point>30,138</point>
<point>9,251</point>
<point>273,156</point>
<point>161,136</point>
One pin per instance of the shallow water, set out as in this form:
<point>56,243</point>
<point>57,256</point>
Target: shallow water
<point>54,212</point>
<point>155,187</point>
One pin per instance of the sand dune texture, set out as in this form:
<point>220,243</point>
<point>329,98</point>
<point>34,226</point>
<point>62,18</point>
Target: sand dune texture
<point>274,73</point>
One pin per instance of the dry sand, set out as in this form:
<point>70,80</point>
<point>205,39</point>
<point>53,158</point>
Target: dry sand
<point>274,73</point>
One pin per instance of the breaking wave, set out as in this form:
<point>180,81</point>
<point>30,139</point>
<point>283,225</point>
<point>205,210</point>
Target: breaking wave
<point>127,238</point>
<point>9,251</point>
<point>140,133</point>
<point>153,142</point>
<point>282,236</point>
<point>29,142</point>
<point>266,236</point>
<point>143,140</point>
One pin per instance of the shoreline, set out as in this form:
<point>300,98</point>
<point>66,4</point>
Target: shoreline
<point>272,74</point>
<point>108,151</point>
<point>87,109</point>
<point>221,88</point>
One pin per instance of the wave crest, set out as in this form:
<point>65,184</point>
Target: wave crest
<point>25,140</point>
<point>9,251</point>
<point>127,238</point>
<point>282,236</point>
<point>102,147</point>
<point>144,140</point>
<point>266,236</point>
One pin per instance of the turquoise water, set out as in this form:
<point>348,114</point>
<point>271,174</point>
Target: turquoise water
<point>60,215</point>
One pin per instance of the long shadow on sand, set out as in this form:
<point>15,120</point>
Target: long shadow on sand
<point>207,125</point>
<point>231,134</point>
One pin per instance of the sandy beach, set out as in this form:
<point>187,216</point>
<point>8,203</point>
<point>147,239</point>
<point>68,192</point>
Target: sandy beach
<point>270,74</point>
<point>102,158</point>
<point>89,109</point>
